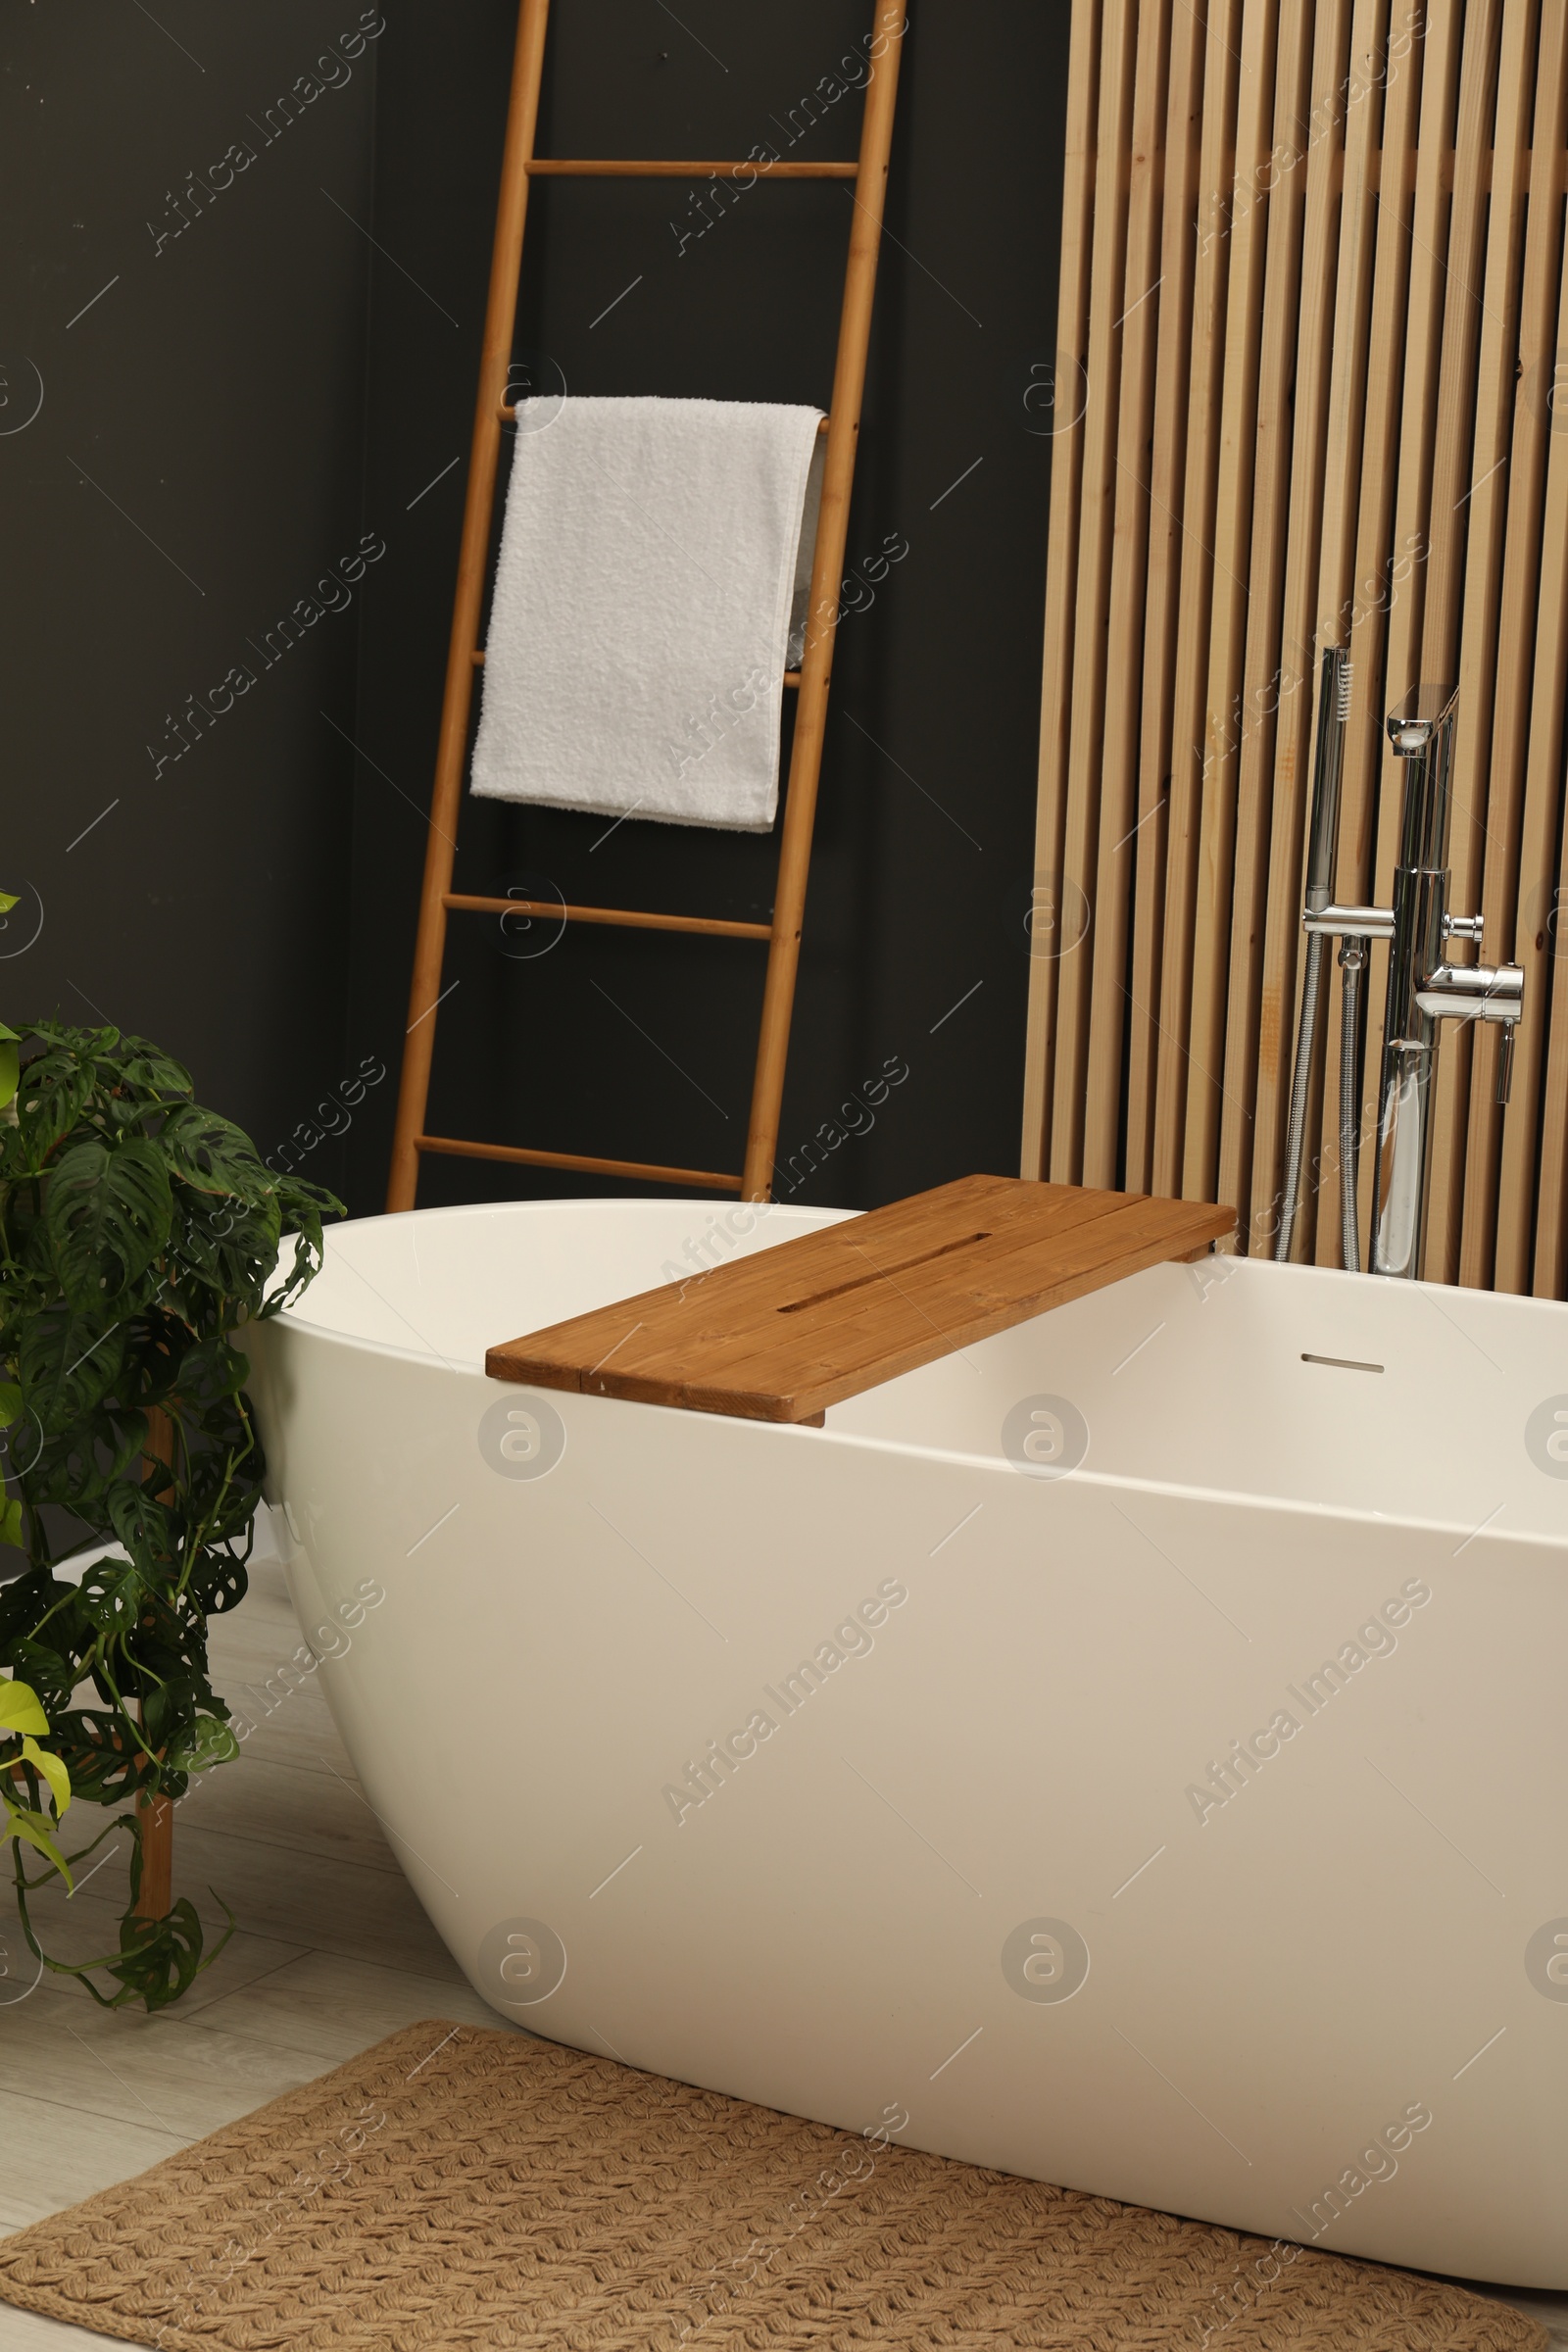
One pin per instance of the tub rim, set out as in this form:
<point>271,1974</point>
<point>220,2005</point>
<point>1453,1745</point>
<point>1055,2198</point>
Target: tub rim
<point>955,1457</point>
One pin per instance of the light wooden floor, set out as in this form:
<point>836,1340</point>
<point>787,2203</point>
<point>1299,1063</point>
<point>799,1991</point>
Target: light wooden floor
<point>334,1952</point>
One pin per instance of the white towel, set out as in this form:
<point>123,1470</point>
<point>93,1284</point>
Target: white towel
<point>636,651</point>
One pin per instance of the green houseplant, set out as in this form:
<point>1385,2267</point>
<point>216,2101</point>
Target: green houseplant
<point>137,1231</point>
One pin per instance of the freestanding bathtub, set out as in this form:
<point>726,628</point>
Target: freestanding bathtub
<point>1132,1752</point>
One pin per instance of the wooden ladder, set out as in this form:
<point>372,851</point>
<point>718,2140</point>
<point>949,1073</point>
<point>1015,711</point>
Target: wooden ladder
<point>867,178</point>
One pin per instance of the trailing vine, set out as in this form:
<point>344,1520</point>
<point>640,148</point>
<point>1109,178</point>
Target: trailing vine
<point>137,1231</point>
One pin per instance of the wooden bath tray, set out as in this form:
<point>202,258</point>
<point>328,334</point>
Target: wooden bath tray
<point>782,1335</point>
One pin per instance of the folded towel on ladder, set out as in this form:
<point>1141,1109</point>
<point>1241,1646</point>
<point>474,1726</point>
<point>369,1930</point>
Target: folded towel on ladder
<point>635,658</point>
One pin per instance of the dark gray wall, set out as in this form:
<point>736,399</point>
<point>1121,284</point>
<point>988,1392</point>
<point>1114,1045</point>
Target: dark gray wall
<point>624,1045</point>
<point>193,475</point>
<point>227,413</point>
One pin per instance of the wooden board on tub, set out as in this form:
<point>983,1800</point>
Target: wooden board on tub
<point>785,1333</point>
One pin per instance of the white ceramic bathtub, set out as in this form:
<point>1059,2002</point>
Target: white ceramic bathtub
<point>964,1880</point>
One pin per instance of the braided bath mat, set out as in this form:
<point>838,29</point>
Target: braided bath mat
<point>463,2188</point>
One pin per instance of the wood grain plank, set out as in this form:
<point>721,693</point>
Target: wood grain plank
<point>1096,525</point>
<point>1216,185</point>
<point>849,1330</point>
<point>790,1331</point>
<point>1234,515</point>
<point>1115,820</point>
<point>1184,123</point>
<point>1070,384</point>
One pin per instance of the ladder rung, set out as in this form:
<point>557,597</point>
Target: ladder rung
<point>792,677</point>
<point>559,167</point>
<point>625,917</point>
<point>510,416</point>
<point>576,1160</point>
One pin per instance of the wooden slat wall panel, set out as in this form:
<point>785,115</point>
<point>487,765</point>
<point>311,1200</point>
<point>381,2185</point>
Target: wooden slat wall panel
<point>1331,420</point>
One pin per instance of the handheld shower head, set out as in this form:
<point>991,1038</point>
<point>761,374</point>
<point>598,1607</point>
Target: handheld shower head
<point>1328,767</point>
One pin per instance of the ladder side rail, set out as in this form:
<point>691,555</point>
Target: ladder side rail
<point>869,197</point>
<point>522,115</point>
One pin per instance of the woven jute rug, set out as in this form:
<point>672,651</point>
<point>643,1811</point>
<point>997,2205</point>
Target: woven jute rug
<point>453,2187</point>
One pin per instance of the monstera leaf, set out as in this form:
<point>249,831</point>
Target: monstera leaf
<point>109,1214</point>
<point>142,1070</point>
<point>59,1086</point>
<point>210,1743</point>
<point>69,1363</point>
<point>112,1594</point>
<point>105,1764</point>
<point>214,1155</point>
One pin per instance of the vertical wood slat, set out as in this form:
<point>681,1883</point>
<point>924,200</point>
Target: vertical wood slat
<point>1227,633</point>
<point>1352,338</point>
<point>1163,612</point>
<point>1281,960</point>
<point>1412,504</point>
<point>1486,813</point>
<point>1096,542</point>
<point>1066,471</point>
<point>1453,490</point>
<point>1216,166</point>
<point>1264,662</point>
<point>1117,796</point>
<point>1527,739</point>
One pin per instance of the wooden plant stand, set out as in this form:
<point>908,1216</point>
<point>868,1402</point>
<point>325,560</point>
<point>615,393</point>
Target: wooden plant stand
<point>155,1815</point>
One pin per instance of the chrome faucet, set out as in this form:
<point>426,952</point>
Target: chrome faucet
<point>1424,987</point>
